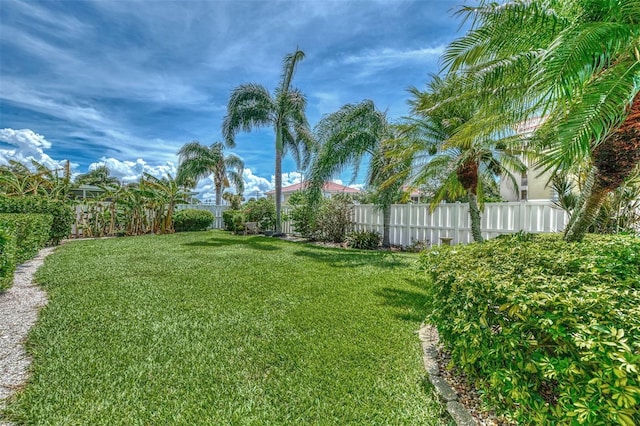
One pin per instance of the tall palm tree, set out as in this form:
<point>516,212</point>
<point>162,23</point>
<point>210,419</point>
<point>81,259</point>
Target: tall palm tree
<point>575,62</point>
<point>348,136</point>
<point>436,148</point>
<point>198,161</point>
<point>251,105</point>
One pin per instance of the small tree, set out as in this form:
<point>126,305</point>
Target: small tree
<point>262,211</point>
<point>334,218</point>
<point>302,213</point>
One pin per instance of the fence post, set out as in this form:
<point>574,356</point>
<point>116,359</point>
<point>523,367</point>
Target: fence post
<point>456,223</point>
<point>523,216</point>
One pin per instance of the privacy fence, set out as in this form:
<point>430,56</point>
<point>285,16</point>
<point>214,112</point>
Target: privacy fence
<point>412,223</point>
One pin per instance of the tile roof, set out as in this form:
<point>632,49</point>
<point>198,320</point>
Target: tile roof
<point>330,187</point>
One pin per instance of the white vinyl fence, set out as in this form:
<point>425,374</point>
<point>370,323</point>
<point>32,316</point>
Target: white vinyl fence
<point>414,223</point>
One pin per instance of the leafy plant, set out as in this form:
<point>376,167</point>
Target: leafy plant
<point>334,218</point>
<point>233,220</point>
<point>31,232</point>
<point>192,220</point>
<point>7,257</point>
<point>262,211</point>
<point>302,213</point>
<point>549,330</point>
<point>365,240</point>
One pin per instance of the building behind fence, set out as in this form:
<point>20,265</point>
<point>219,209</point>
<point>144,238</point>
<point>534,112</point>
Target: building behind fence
<point>413,223</point>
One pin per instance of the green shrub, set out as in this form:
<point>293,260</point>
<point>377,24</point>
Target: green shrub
<point>549,330</point>
<point>7,257</point>
<point>365,240</point>
<point>192,220</point>
<point>233,220</point>
<point>334,218</point>
<point>62,212</point>
<point>31,232</point>
<point>302,214</point>
<point>262,211</point>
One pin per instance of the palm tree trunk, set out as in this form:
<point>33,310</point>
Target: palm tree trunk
<point>386,225</point>
<point>279,148</point>
<point>218,194</point>
<point>587,209</point>
<point>614,160</point>
<point>474,213</point>
<point>278,191</point>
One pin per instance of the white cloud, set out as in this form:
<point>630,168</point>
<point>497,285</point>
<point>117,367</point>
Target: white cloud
<point>131,171</point>
<point>385,57</point>
<point>28,146</point>
<point>287,179</point>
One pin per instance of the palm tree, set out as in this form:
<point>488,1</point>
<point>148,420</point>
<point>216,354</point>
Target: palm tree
<point>575,62</point>
<point>198,161</point>
<point>251,105</point>
<point>436,148</point>
<point>348,136</point>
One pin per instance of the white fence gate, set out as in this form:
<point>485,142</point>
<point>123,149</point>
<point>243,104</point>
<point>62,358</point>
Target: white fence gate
<point>414,222</point>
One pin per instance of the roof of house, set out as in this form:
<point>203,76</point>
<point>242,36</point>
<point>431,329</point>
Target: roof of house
<point>330,187</point>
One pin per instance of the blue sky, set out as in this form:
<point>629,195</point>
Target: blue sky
<point>126,83</point>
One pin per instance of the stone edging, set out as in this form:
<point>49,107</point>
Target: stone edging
<point>429,338</point>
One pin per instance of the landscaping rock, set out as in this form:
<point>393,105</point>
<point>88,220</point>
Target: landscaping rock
<point>460,414</point>
<point>443,389</point>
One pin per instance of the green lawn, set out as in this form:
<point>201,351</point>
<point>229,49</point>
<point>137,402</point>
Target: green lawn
<point>209,328</point>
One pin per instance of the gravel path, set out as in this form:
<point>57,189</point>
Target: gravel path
<point>19,308</point>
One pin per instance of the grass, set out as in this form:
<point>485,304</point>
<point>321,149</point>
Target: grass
<point>209,328</point>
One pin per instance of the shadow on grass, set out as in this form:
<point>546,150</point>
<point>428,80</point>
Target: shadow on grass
<point>409,304</point>
<point>257,243</point>
<point>341,258</point>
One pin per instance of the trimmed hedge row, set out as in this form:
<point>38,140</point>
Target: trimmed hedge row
<point>550,331</point>
<point>192,220</point>
<point>61,211</point>
<point>7,257</point>
<point>31,232</point>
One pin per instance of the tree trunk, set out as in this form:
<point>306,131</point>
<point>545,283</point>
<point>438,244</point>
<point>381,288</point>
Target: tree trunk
<point>587,209</point>
<point>169,219</point>
<point>386,225</point>
<point>614,160</point>
<point>474,212</point>
<point>278,191</point>
<point>218,194</point>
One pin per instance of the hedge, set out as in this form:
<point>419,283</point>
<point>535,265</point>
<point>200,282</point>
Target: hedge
<point>7,257</point>
<point>62,212</point>
<point>31,232</point>
<point>548,330</point>
<point>192,220</point>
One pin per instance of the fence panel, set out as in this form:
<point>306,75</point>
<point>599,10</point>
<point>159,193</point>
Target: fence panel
<point>411,223</point>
